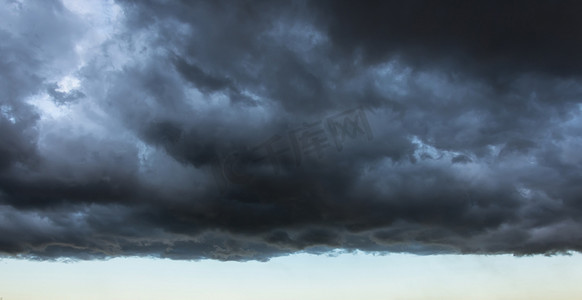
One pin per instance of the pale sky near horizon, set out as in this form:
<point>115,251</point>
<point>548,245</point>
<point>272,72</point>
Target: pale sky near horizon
<point>300,276</point>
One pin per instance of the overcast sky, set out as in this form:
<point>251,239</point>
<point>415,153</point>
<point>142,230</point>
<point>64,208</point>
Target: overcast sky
<point>247,130</point>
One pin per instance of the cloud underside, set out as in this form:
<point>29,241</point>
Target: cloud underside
<point>189,129</point>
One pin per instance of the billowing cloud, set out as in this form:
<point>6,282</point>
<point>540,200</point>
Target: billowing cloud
<point>239,130</point>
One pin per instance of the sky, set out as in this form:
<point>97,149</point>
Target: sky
<point>300,276</point>
<point>255,136</point>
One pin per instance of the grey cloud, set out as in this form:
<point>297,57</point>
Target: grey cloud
<point>62,98</point>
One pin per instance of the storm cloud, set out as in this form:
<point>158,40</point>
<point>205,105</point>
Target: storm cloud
<point>244,130</point>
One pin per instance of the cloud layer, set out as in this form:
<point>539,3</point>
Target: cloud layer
<point>251,129</point>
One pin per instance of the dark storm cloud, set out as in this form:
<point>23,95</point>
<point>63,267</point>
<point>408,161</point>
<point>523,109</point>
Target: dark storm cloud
<point>463,133</point>
<point>492,37</point>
